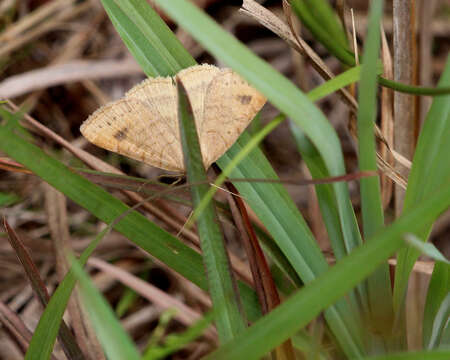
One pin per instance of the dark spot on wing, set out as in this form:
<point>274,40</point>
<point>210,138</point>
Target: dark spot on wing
<point>121,134</point>
<point>245,99</point>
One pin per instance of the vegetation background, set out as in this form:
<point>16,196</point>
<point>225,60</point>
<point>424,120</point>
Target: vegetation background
<point>62,59</point>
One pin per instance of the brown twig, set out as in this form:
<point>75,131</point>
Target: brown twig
<point>405,125</point>
<point>66,73</point>
<point>64,15</point>
<point>158,208</point>
<point>17,328</point>
<point>264,284</point>
<point>184,314</point>
<point>55,205</point>
<point>68,343</point>
<point>273,23</point>
<point>387,120</point>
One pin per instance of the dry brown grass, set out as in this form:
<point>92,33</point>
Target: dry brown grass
<point>63,59</point>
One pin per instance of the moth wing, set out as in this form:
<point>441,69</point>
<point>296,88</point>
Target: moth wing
<point>133,128</point>
<point>160,94</point>
<point>144,124</point>
<point>196,81</point>
<point>230,105</point>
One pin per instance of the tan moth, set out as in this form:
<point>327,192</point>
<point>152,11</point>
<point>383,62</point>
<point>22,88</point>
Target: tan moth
<point>143,125</point>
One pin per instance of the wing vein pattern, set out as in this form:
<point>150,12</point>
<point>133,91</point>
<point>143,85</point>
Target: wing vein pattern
<point>143,125</point>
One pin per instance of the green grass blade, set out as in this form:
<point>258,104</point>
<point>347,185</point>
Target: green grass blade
<point>379,285</point>
<point>126,301</point>
<point>418,355</point>
<point>178,341</point>
<point>325,192</point>
<point>445,337</point>
<point>293,103</point>
<point>247,162</point>
<point>427,249</point>
<point>325,15</point>
<point>143,31</point>
<point>317,16</point>
<point>317,167</point>
<point>129,298</point>
<point>285,202</point>
<point>331,41</point>
<point>280,263</point>
<point>132,37</point>
<point>252,144</point>
<point>415,90</point>
<point>326,197</point>
<point>280,91</point>
<point>310,346</point>
<point>44,337</point>
<point>227,316</point>
<point>287,226</point>
<point>8,199</point>
<point>438,290</point>
<point>173,55</point>
<point>440,335</point>
<point>106,207</point>
<point>171,38</point>
<point>116,343</point>
<point>342,80</point>
<point>430,169</point>
<point>372,210</point>
<point>308,302</point>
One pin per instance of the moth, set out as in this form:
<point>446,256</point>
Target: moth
<point>143,125</point>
